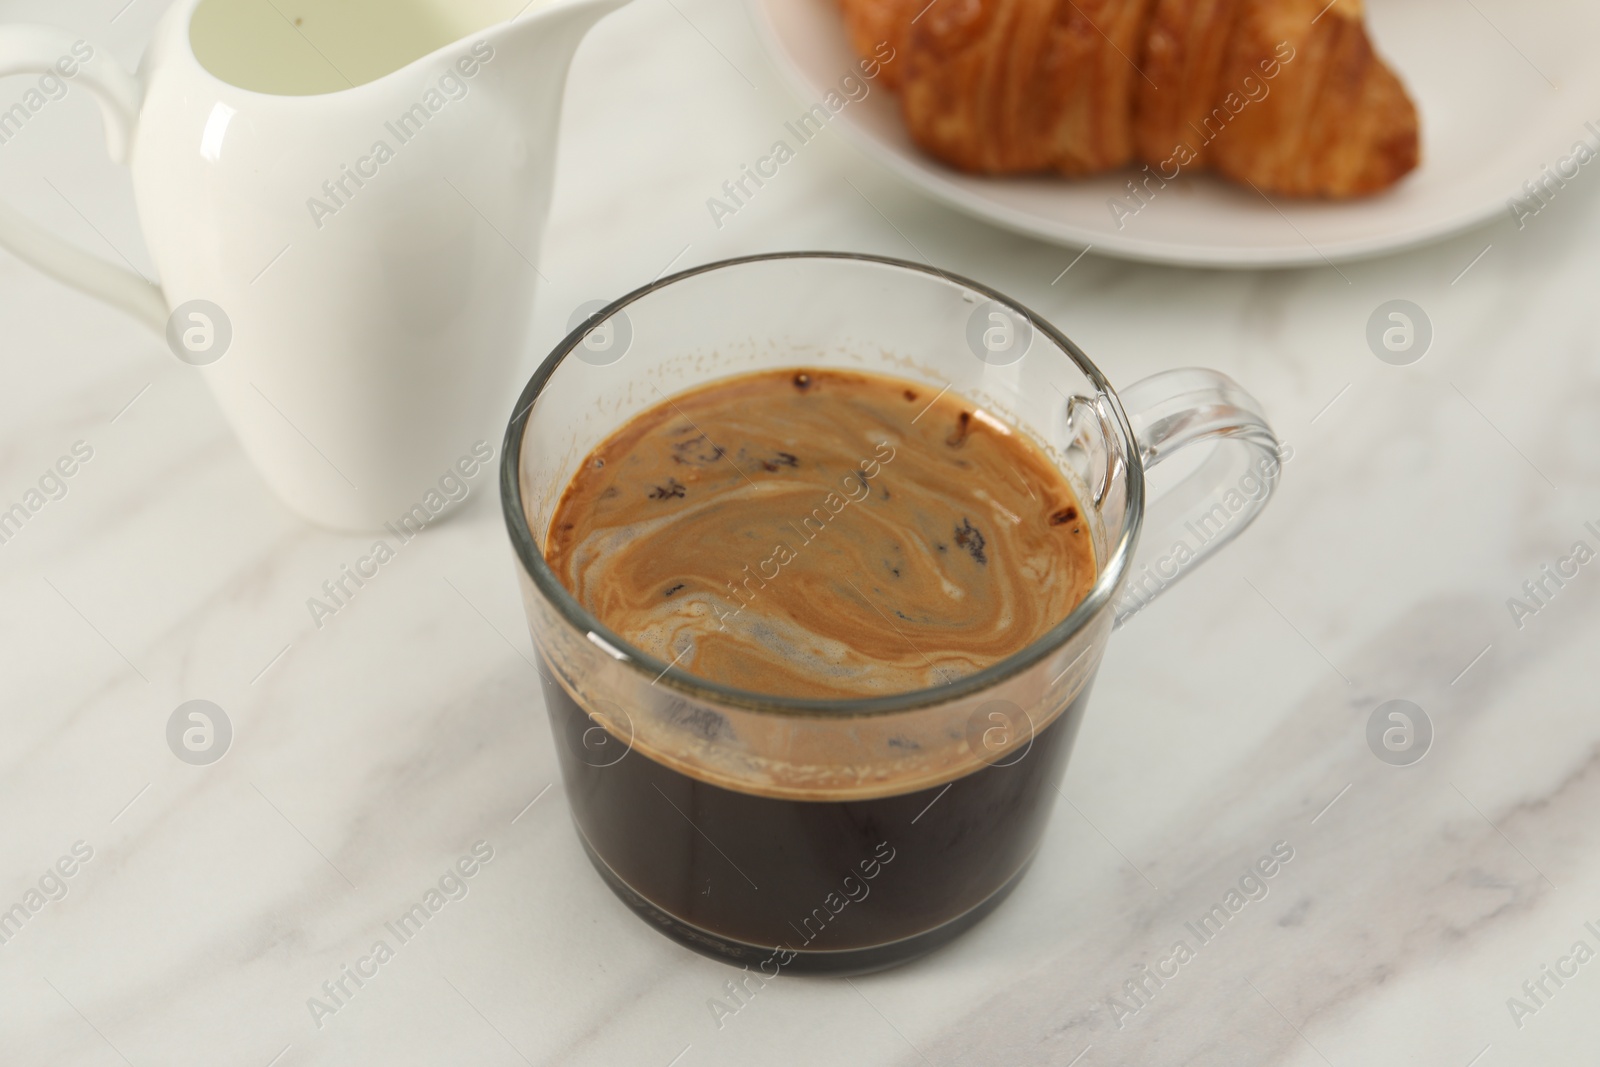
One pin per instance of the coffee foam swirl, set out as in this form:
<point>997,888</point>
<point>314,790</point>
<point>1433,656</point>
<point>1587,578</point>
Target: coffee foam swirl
<point>822,534</point>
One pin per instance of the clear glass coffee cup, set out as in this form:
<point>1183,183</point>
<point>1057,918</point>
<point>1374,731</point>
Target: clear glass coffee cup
<point>809,836</point>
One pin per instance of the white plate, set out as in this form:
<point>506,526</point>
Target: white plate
<point>1504,90</point>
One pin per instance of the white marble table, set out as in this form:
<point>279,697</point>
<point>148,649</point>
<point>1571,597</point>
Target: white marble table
<point>369,754</point>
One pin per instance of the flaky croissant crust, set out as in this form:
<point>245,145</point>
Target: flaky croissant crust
<point>1285,95</point>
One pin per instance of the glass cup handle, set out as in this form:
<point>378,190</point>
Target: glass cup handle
<point>1211,506</point>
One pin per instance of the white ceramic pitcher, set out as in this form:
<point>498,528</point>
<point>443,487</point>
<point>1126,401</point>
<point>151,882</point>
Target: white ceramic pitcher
<point>344,202</point>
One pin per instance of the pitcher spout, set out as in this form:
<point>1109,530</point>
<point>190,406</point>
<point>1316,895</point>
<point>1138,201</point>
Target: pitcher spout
<point>540,42</point>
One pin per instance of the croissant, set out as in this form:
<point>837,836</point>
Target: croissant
<point>1286,95</point>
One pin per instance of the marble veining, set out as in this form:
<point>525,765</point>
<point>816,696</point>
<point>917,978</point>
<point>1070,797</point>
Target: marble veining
<point>370,753</point>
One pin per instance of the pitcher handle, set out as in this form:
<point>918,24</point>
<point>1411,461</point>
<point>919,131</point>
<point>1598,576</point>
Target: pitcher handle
<point>45,50</point>
<point>1171,411</point>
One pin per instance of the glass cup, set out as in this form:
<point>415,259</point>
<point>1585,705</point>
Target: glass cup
<point>843,836</point>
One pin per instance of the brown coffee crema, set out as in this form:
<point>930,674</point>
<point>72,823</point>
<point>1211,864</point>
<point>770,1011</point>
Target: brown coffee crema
<point>822,534</point>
